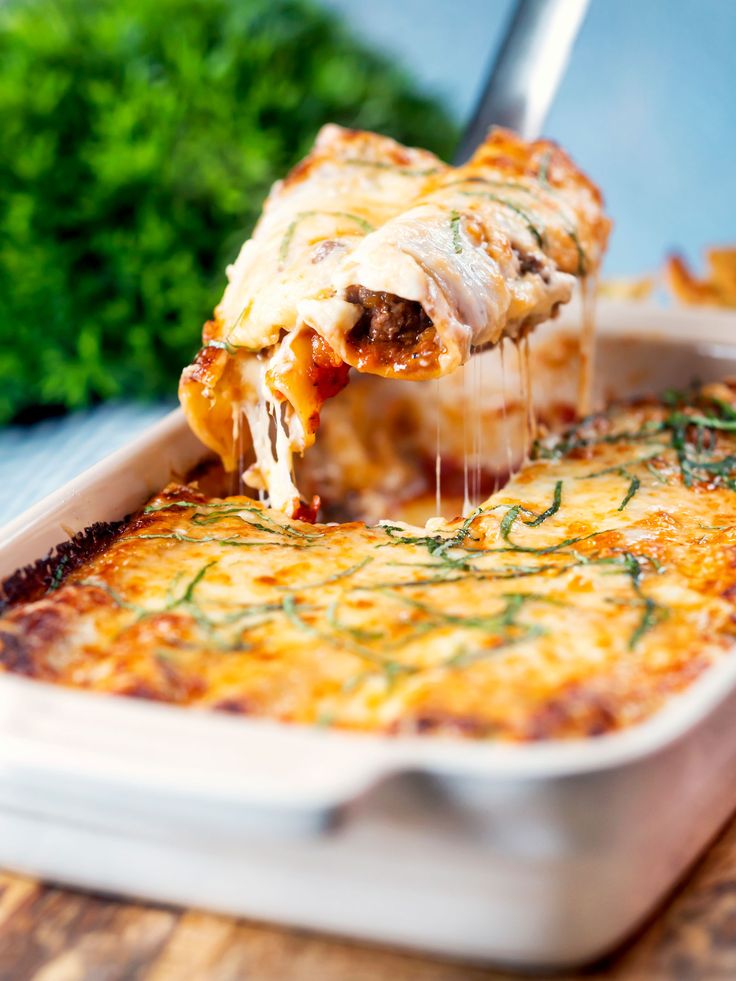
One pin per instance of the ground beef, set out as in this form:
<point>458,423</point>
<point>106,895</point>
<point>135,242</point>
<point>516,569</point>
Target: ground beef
<point>531,264</point>
<point>386,318</point>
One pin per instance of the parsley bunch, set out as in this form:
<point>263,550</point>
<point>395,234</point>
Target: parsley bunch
<point>139,138</point>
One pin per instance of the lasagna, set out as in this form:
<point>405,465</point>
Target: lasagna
<point>571,603</point>
<point>378,257</point>
<point>487,251</point>
<point>262,375</point>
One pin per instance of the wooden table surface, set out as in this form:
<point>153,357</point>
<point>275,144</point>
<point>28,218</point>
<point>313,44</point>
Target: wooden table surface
<point>52,934</point>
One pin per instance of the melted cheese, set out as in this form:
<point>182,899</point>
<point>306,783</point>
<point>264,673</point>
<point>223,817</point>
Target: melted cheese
<point>351,183</point>
<point>488,251</point>
<point>573,602</point>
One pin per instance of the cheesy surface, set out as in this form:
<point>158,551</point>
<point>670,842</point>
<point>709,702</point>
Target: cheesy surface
<point>488,250</point>
<point>382,258</point>
<point>575,601</point>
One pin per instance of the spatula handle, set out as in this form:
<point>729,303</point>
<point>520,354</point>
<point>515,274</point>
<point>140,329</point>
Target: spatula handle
<point>527,70</point>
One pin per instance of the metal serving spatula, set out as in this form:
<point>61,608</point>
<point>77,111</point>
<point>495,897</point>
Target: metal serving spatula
<point>527,70</point>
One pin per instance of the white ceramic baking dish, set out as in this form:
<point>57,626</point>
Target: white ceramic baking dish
<point>544,855</point>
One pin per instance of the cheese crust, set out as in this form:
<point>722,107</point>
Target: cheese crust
<point>487,251</point>
<point>576,601</point>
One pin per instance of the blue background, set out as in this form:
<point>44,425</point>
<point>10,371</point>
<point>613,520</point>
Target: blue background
<point>648,108</point>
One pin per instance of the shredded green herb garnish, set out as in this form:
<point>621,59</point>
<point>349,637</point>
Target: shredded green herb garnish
<point>233,541</point>
<point>552,509</point>
<point>492,622</point>
<point>289,606</point>
<point>345,574</point>
<point>655,473</point>
<point>270,526</point>
<point>708,422</point>
<point>59,572</point>
<point>455,218</point>
<point>169,505</point>
<point>652,614</point>
<point>385,165</point>
<point>634,485</point>
<point>437,545</point>
<point>507,524</point>
<point>568,225</point>
<point>114,596</point>
<point>225,345</point>
<point>695,460</point>
<point>512,206</point>
<point>634,482</point>
<point>221,512</point>
<point>188,595</point>
<point>302,215</point>
<point>390,668</point>
<point>357,633</point>
<point>543,172</point>
<point>633,566</point>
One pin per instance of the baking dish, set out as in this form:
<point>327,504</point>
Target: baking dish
<point>535,856</point>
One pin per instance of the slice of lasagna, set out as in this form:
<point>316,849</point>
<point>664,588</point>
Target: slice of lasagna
<point>260,366</point>
<point>380,257</point>
<point>488,251</point>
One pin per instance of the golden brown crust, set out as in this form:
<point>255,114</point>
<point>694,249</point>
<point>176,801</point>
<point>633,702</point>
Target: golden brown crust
<point>600,582</point>
<point>546,163</point>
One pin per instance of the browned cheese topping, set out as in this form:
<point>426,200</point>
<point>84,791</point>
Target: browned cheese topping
<point>599,582</point>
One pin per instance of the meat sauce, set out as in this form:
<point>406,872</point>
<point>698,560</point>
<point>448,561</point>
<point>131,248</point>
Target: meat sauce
<point>392,331</point>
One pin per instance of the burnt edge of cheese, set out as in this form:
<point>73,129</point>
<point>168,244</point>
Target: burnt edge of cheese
<point>391,330</point>
<point>45,575</point>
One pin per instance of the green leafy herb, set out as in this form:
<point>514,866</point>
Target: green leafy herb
<point>117,599</point>
<point>188,595</point>
<point>59,572</point>
<point>357,633</point>
<point>634,482</point>
<point>438,546</point>
<point>303,215</point>
<point>634,485</point>
<point>151,130</point>
<point>169,506</point>
<point>512,206</point>
<point>570,229</point>
<point>385,165</point>
<point>543,172</point>
<point>290,608</point>
<point>265,522</point>
<point>652,614</point>
<point>552,509</point>
<point>695,460</point>
<point>234,541</point>
<point>507,524</point>
<point>582,269</point>
<point>455,218</point>
<point>655,473</point>
<point>225,345</point>
<point>345,574</point>
<point>345,639</point>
